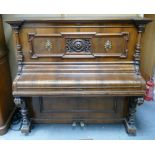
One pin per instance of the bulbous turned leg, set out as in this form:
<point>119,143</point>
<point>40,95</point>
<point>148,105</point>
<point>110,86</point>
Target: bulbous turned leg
<point>130,120</point>
<point>25,127</point>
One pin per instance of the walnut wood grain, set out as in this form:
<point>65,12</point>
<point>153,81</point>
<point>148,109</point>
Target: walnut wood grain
<point>75,70</point>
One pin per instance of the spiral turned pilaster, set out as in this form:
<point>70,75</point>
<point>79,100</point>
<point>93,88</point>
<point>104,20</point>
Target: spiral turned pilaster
<point>132,112</point>
<point>130,120</point>
<point>20,103</point>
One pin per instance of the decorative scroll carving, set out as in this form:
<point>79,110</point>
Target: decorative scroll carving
<point>19,102</point>
<point>138,48</point>
<point>130,121</point>
<point>139,100</point>
<point>19,54</point>
<point>108,45</point>
<point>78,45</point>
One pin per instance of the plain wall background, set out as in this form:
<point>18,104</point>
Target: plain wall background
<point>148,50</point>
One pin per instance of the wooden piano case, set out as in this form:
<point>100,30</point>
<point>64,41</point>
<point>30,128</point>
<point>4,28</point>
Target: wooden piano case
<point>78,70</point>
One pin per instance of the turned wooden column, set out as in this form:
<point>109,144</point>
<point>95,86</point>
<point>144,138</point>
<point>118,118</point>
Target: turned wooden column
<point>130,120</point>
<point>6,99</point>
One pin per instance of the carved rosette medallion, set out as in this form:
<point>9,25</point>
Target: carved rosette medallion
<point>78,45</point>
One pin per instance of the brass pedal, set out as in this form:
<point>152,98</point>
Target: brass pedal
<point>74,124</point>
<point>82,124</point>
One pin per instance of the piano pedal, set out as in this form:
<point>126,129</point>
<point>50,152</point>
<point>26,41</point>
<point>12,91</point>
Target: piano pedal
<point>74,124</point>
<point>82,124</point>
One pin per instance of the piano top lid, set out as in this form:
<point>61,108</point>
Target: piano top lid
<point>111,20</point>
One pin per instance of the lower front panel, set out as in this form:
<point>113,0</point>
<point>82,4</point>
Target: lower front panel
<point>69,109</point>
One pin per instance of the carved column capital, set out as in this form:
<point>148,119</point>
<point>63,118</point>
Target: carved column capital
<point>17,101</point>
<point>141,28</point>
<point>139,100</point>
<point>15,28</point>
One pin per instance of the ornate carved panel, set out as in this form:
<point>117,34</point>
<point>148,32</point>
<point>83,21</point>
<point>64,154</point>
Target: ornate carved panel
<point>78,45</point>
<point>78,48</point>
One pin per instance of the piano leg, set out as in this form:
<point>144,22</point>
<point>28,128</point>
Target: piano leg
<point>25,126</point>
<point>130,120</point>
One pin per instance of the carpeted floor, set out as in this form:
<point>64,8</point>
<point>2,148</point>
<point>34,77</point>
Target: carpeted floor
<point>145,122</point>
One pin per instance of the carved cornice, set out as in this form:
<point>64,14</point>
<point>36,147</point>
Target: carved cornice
<point>18,21</point>
<point>16,24</point>
<point>140,24</point>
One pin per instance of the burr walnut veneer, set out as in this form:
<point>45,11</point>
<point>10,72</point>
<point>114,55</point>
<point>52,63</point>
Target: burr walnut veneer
<point>78,70</point>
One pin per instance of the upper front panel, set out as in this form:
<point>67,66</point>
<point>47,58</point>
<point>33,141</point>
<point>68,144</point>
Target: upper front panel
<point>77,42</point>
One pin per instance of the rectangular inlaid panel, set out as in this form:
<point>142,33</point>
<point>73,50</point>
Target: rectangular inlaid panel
<point>76,108</point>
<point>45,45</point>
<point>111,45</point>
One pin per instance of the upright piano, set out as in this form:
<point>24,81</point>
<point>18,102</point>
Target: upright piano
<point>78,70</point>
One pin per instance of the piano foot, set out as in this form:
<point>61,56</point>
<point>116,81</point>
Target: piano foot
<point>25,126</point>
<point>130,129</point>
<point>25,129</point>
